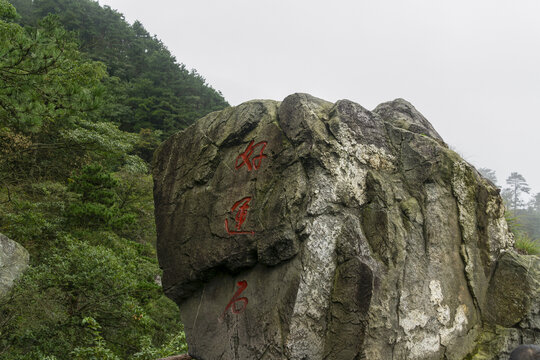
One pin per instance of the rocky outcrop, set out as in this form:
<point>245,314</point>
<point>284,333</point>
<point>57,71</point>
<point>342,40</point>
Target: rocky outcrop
<point>13,261</point>
<point>512,315</point>
<point>304,229</point>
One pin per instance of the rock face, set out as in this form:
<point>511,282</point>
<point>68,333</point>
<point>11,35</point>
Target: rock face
<point>13,261</point>
<point>512,315</point>
<point>304,229</point>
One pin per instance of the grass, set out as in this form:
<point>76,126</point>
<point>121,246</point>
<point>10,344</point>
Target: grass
<point>526,245</point>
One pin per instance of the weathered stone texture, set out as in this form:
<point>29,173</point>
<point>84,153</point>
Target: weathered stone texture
<point>362,236</point>
<point>512,313</point>
<point>13,261</point>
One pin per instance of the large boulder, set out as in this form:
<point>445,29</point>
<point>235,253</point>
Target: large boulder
<point>311,230</point>
<point>13,261</point>
<point>512,314</point>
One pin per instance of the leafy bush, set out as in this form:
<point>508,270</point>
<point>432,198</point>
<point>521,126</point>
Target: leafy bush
<point>176,345</point>
<point>98,350</point>
<point>97,205</point>
<point>47,310</point>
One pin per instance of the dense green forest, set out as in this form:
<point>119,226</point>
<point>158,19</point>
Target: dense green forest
<point>146,87</point>
<point>85,98</point>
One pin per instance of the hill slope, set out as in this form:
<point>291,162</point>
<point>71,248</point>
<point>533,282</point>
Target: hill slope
<point>79,114</point>
<point>152,89</point>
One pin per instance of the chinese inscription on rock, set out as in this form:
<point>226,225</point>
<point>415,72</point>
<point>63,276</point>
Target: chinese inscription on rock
<point>252,158</point>
<point>242,285</point>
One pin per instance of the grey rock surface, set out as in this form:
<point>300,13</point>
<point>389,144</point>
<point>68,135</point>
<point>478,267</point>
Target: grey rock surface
<point>526,352</point>
<point>13,261</point>
<point>512,314</point>
<point>304,229</point>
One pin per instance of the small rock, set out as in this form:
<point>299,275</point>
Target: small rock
<point>13,261</point>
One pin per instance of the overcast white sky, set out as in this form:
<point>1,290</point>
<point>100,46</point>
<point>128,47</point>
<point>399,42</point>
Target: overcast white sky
<point>472,67</point>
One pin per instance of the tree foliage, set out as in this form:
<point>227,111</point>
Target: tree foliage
<point>76,193</point>
<point>524,221</point>
<point>50,103</point>
<point>83,279</point>
<point>517,186</point>
<point>488,174</point>
<point>46,81</point>
<point>149,88</point>
<point>97,204</point>
<point>84,270</point>
<point>534,204</point>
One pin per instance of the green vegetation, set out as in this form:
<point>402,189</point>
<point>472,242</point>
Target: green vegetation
<point>146,88</point>
<point>517,186</point>
<point>524,220</point>
<point>527,246</point>
<point>85,99</point>
<point>524,243</point>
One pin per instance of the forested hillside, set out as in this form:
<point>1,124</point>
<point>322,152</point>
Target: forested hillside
<point>85,98</point>
<point>153,90</point>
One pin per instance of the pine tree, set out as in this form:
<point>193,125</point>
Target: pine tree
<point>488,174</point>
<point>518,185</point>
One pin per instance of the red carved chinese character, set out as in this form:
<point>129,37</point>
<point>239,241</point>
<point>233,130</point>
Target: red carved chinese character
<point>246,156</point>
<point>242,285</point>
<point>241,207</point>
